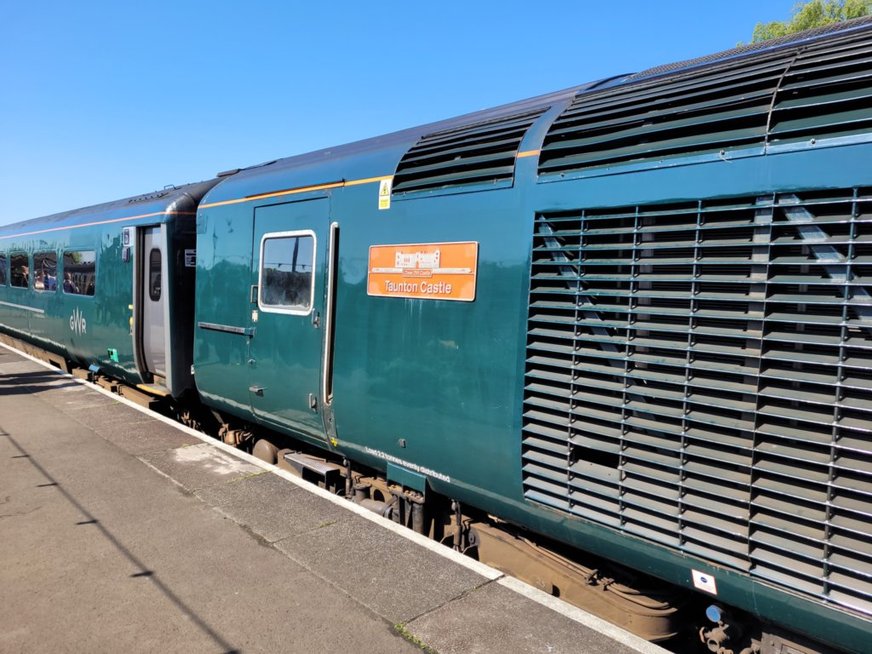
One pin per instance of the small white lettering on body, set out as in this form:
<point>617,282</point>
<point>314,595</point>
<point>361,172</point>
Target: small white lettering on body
<point>78,324</point>
<point>407,464</point>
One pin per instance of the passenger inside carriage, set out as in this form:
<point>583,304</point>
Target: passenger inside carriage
<point>45,282</point>
<point>20,276</point>
<point>69,284</point>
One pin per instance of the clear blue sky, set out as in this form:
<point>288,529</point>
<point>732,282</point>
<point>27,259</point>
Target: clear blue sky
<point>103,100</point>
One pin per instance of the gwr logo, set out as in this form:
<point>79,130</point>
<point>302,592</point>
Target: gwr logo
<point>78,325</point>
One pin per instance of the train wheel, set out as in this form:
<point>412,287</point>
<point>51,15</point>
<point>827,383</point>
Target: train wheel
<point>265,451</point>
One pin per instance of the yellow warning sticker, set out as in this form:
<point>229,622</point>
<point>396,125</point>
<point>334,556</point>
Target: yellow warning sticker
<point>384,194</point>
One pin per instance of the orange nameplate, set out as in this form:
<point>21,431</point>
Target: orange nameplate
<point>425,271</point>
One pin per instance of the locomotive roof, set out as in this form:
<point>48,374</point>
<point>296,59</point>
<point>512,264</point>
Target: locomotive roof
<point>379,155</point>
<point>373,156</point>
<point>789,41</point>
<point>148,203</point>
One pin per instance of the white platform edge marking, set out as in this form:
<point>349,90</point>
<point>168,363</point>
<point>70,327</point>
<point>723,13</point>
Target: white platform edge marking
<point>492,574</point>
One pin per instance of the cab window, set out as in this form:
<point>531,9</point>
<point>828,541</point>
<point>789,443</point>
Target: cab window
<point>45,271</point>
<point>286,266</point>
<point>2,270</point>
<point>79,272</point>
<point>19,270</point>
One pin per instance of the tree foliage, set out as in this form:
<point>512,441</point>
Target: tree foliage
<point>815,13</point>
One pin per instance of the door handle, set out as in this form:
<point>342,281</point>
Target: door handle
<point>257,390</point>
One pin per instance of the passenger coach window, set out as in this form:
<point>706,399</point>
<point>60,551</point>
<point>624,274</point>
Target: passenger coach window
<point>45,271</point>
<point>80,272</point>
<point>154,275</point>
<point>2,270</point>
<point>20,270</point>
<point>286,264</point>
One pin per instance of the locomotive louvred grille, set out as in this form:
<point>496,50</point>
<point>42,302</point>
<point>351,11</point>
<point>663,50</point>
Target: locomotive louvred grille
<point>481,153</point>
<point>700,375</point>
<point>801,93</point>
<point>825,93</point>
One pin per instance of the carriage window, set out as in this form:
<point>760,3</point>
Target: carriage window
<point>2,270</point>
<point>154,275</point>
<point>286,280</point>
<point>20,270</point>
<point>80,272</point>
<point>45,271</point>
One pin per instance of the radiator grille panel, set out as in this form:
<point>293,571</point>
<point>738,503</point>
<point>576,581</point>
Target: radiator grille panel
<point>700,375</point>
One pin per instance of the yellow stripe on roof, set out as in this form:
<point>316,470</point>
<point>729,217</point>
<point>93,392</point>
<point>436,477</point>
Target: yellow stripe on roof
<point>529,153</point>
<point>368,180</point>
<point>298,190</point>
<point>261,196</point>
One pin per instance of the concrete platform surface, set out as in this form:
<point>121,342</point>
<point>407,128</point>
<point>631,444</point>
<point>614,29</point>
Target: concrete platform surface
<point>120,532</point>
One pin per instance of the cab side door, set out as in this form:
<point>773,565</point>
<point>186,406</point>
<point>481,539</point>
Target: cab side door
<point>287,303</point>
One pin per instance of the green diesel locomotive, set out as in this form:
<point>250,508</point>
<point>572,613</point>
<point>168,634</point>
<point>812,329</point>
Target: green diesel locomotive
<point>633,317</point>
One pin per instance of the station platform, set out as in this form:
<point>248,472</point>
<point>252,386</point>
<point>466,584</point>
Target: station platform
<point>121,531</point>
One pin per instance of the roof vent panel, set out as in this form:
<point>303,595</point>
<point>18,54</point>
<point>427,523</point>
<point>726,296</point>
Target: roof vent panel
<point>481,153</point>
<point>701,111</point>
<point>803,91</point>
<point>826,93</point>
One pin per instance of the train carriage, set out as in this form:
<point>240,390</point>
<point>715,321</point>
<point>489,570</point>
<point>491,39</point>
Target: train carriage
<point>90,285</point>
